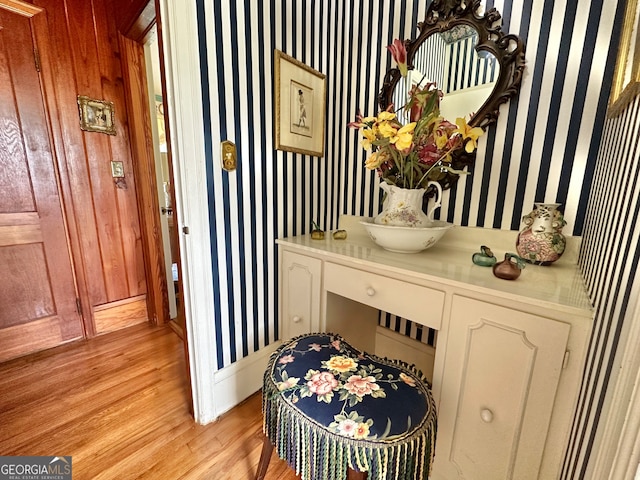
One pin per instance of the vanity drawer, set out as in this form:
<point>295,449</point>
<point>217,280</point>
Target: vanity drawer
<point>420,304</point>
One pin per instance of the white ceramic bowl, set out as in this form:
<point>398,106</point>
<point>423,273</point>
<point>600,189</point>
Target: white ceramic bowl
<point>406,239</point>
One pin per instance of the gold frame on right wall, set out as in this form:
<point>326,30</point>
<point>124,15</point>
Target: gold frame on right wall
<point>626,79</point>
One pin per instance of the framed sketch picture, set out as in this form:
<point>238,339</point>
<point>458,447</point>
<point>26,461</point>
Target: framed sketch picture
<point>96,115</point>
<point>300,102</point>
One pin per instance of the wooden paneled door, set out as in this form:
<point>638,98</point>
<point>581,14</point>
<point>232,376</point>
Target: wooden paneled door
<point>37,288</point>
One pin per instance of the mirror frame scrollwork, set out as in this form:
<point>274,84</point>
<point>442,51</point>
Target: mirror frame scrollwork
<point>508,49</point>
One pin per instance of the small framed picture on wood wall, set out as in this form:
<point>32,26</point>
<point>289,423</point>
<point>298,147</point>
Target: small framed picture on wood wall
<point>300,101</point>
<point>96,115</point>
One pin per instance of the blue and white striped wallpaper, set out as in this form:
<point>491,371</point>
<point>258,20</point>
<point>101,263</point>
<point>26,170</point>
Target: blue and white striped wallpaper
<point>465,68</point>
<point>544,148</point>
<point>609,261</point>
<point>433,47</point>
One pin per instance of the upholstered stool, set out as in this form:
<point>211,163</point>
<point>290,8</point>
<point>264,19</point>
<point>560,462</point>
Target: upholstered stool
<point>331,410</point>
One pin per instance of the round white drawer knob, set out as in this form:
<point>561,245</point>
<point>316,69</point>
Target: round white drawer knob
<point>486,415</point>
<point>371,292</point>
<point>296,319</point>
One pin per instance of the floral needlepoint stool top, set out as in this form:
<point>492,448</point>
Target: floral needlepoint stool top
<point>328,407</point>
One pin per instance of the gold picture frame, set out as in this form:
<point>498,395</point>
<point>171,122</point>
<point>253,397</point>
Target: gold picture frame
<point>300,103</point>
<point>626,79</point>
<point>96,115</point>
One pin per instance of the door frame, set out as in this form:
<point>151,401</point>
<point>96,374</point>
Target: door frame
<point>137,28</point>
<point>183,108</point>
<point>135,86</point>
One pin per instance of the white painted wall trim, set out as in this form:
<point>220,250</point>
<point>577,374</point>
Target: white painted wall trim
<point>619,453</point>
<point>241,379</point>
<point>184,107</point>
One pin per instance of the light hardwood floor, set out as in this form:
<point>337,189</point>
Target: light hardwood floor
<point>118,404</point>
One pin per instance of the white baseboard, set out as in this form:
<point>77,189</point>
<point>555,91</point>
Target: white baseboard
<point>393,345</point>
<point>238,381</point>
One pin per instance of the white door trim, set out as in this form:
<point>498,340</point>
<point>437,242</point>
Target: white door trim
<point>184,104</point>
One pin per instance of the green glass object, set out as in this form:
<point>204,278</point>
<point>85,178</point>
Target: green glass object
<point>484,257</point>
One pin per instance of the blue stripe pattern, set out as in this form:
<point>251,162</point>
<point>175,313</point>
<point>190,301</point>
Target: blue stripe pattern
<point>609,260</point>
<point>543,149</point>
<point>466,68</point>
<point>611,227</point>
<point>204,76</point>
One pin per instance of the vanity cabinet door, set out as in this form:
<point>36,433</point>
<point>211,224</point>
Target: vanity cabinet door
<point>500,378</point>
<point>300,277</point>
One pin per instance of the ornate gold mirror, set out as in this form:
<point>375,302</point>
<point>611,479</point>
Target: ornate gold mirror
<point>464,51</point>
<point>626,80</point>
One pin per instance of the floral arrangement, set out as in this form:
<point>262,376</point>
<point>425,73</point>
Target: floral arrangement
<point>411,155</point>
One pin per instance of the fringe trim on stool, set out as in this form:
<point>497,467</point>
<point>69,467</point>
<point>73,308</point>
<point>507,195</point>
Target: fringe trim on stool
<point>315,453</point>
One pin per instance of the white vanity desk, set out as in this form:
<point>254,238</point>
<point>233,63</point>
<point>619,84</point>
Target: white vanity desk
<point>509,354</point>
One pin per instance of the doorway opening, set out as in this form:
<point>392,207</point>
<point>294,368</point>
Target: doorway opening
<point>164,177</point>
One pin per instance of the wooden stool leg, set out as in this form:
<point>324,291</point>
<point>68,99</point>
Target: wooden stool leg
<point>265,457</point>
<point>353,475</point>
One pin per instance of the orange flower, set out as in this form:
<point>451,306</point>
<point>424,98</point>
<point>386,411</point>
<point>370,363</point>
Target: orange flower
<point>407,379</point>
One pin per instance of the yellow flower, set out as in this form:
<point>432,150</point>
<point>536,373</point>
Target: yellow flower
<point>387,130</point>
<point>369,136</point>
<point>441,138</point>
<point>339,363</point>
<point>361,431</point>
<point>386,116</point>
<point>404,136</point>
<point>374,161</point>
<point>469,134</point>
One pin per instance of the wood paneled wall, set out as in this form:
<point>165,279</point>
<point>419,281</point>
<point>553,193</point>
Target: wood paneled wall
<point>104,221</point>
